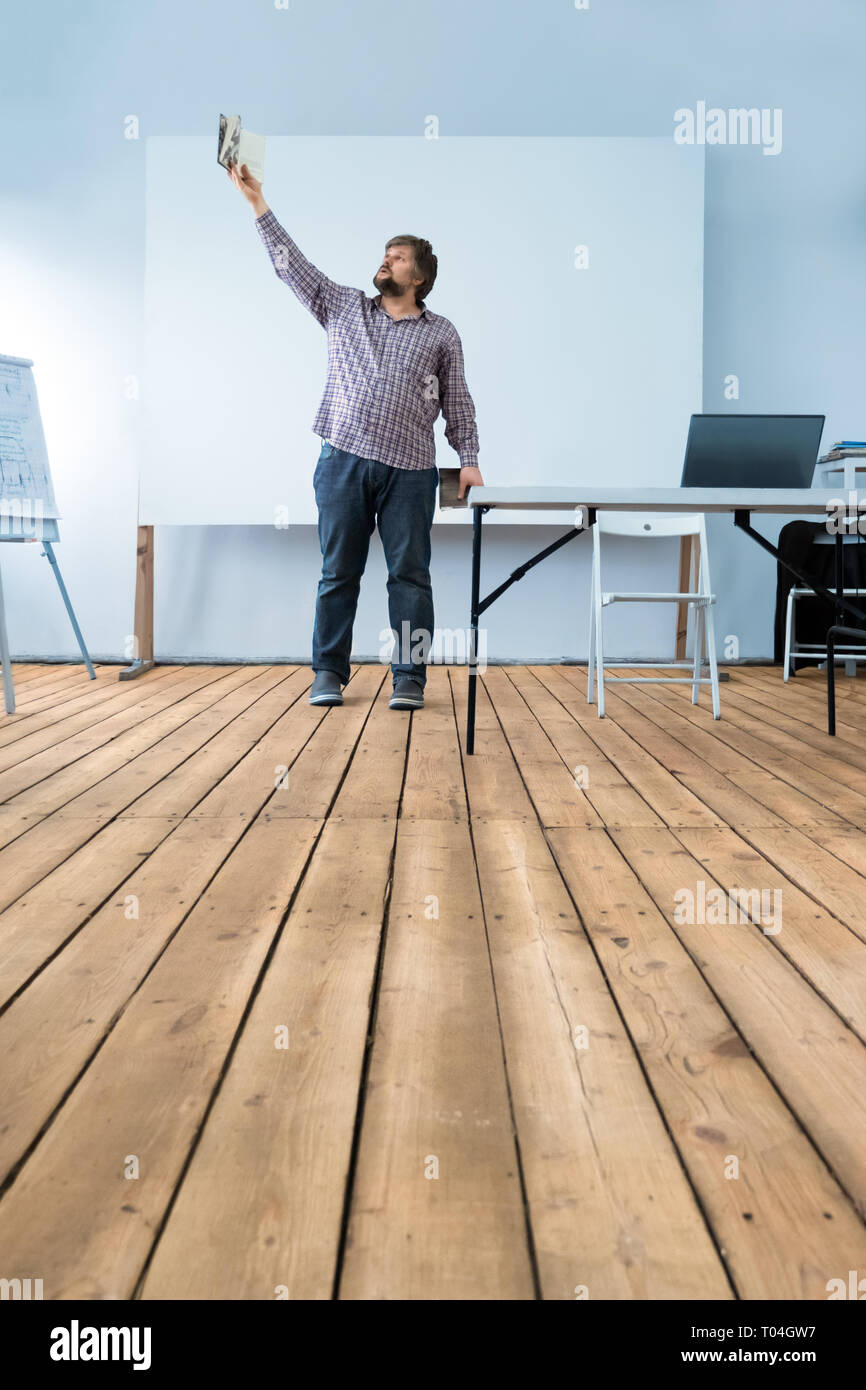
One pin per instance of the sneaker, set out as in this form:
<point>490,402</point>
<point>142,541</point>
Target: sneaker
<point>408,694</point>
<point>325,689</point>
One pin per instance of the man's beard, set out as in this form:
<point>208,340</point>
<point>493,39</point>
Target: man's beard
<point>387,285</point>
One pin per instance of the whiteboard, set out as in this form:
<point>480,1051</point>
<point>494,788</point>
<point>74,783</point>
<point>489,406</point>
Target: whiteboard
<point>26,489</point>
<point>584,366</point>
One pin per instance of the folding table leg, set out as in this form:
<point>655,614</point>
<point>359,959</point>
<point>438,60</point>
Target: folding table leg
<point>473,629</point>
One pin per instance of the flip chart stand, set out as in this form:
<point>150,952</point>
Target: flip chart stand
<point>8,687</point>
<point>23,532</point>
<point>28,510</point>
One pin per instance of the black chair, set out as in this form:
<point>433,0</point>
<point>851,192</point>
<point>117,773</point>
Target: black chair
<point>803,544</point>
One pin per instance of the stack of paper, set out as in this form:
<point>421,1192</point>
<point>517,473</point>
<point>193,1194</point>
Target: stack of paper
<point>238,146</point>
<point>845,449</point>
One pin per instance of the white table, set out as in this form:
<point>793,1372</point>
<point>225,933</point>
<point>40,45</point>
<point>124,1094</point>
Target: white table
<point>592,498</point>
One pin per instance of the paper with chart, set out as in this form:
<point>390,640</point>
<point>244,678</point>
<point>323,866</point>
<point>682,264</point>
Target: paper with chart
<point>25,477</point>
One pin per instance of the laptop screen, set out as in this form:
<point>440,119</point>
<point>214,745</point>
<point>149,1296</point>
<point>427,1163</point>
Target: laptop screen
<point>752,450</point>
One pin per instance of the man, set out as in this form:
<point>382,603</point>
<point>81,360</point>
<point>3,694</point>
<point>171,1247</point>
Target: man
<point>391,366</point>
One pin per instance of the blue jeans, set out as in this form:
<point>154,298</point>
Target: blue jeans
<point>352,494</point>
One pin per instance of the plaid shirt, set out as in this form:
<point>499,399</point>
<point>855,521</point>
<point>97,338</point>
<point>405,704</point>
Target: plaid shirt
<point>387,378</point>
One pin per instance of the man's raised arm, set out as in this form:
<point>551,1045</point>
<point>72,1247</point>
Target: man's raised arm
<point>323,297</point>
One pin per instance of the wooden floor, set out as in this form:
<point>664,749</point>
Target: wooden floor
<point>304,1003</point>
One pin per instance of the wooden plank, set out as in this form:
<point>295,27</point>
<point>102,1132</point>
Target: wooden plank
<point>63,685</point>
<point>310,786</point>
<point>492,780</point>
<point>810,683</point>
<point>217,750</point>
<point>672,803</point>
<point>84,786</point>
<point>690,546</point>
<point>795,740</point>
<point>433,788</point>
<point>556,795</point>
<point>370,789</point>
<point>96,802</point>
<point>263,1195</point>
<point>730,803</point>
<point>436,1138</point>
<point>96,1225</point>
<point>830,882</point>
<point>610,1207</point>
<point>829,955</point>
<point>809,700</point>
<point>144,594</point>
<point>25,669</point>
<point>782,801</point>
<point>806,725</point>
<point>143,608</point>
<point>125,706</point>
<point>738,791</point>
<point>799,771</point>
<point>717,1101</point>
<point>265,1190</point>
<point>48,842</point>
<point>50,1031</point>
<point>52,678</point>
<point>66,842</point>
<point>817,1064</point>
<point>43,918</point>
<point>552,781</point>
<point>715,753</point>
<point>608,792</point>
<point>846,843</point>
<point>38,670</point>
<point>50,709</point>
<point>436,1210</point>
<point>96,746</point>
<point>802,702</point>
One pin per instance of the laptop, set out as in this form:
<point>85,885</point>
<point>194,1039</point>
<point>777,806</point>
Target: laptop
<point>748,451</point>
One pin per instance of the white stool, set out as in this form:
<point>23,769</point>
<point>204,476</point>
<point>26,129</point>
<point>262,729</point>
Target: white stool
<point>653,526</point>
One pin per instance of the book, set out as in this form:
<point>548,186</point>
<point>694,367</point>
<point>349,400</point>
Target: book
<point>239,146</point>
<point>449,486</point>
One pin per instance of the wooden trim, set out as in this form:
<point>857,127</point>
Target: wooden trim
<point>143,621</point>
<point>688,552</point>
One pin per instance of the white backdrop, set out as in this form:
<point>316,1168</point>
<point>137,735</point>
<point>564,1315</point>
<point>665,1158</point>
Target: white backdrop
<point>577,374</point>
